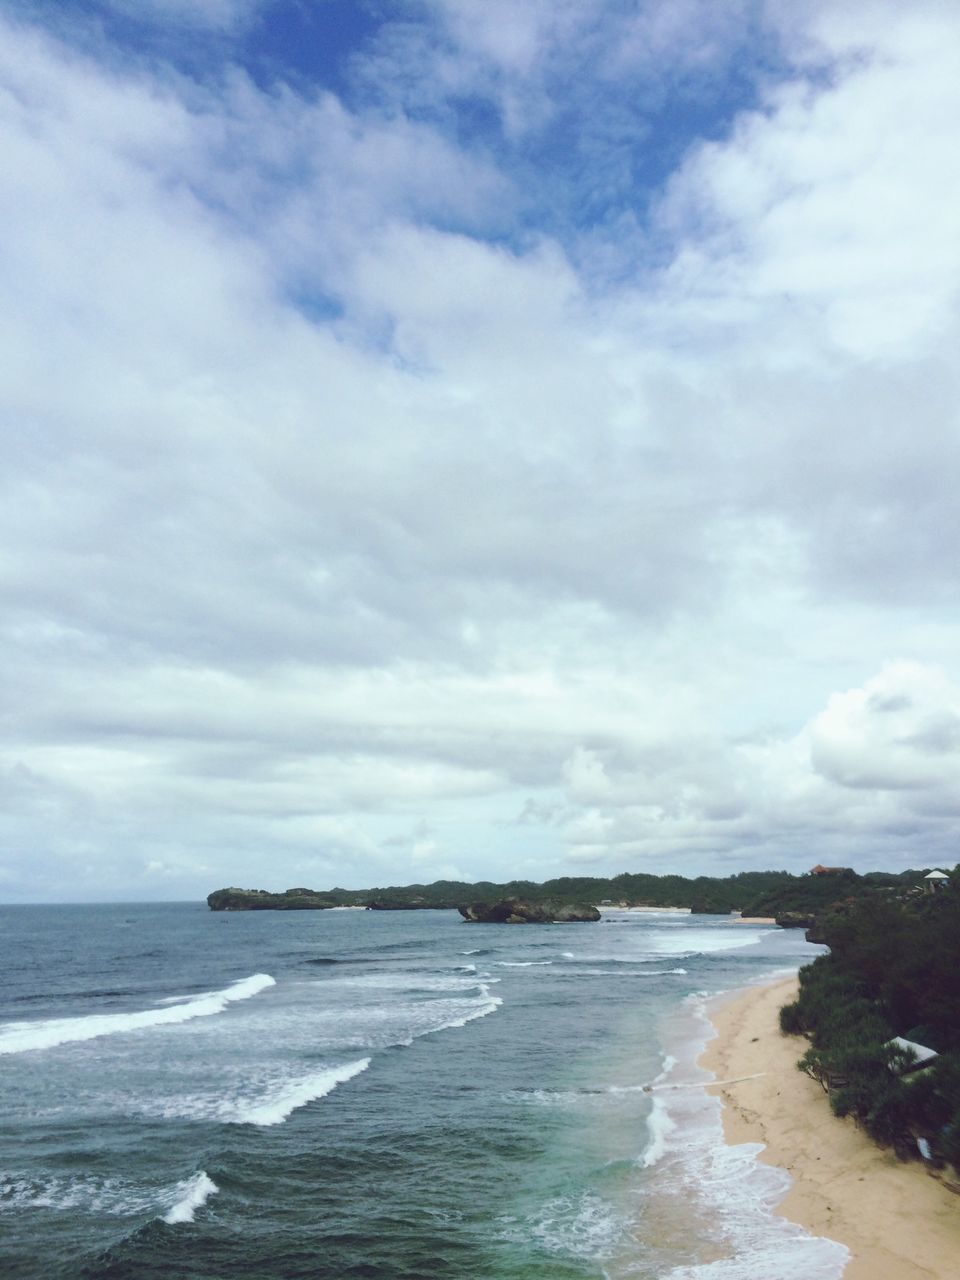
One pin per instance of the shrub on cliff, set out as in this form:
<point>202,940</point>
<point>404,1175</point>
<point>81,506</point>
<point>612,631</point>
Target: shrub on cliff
<point>893,970</point>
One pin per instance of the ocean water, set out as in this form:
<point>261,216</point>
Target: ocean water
<point>389,1095</point>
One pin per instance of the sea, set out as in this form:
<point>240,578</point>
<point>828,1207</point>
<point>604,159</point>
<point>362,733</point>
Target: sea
<point>199,1095</point>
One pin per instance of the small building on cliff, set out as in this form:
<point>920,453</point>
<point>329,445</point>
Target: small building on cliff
<point>922,1055</point>
<point>934,881</point>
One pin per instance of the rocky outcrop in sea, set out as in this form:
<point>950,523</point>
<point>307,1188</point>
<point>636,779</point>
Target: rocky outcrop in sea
<point>260,900</point>
<point>513,911</point>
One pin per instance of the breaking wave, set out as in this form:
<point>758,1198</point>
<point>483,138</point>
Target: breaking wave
<point>22,1037</point>
<point>274,1109</point>
<point>194,1193</point>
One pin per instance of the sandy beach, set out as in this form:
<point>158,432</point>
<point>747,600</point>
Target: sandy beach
<point>897,1221</point>
<point>754,920</point>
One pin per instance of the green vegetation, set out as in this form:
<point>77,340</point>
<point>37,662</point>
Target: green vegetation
<point>893,970</point>
<point>260,900</point>
<point>806,895</point>
<point>705,893</point>
<point>755,893</point>
<point>814,894</point>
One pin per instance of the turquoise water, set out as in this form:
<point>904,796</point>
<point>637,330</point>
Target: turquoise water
<point>196,1095</point>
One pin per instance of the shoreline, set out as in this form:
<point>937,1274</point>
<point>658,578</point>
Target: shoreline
<point>613,906</point>
<point>897,1222</point>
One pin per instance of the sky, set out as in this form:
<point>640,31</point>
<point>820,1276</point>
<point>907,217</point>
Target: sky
<point>474,439</point>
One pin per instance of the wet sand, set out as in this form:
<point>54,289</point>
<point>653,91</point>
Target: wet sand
<point>897,1221</point>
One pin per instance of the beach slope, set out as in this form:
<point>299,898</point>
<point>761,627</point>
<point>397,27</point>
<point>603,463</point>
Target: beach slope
<point>897,1222</point>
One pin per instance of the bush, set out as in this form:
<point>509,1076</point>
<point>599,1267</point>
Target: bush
<point>791,1019</point>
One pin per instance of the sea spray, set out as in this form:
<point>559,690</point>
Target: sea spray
<point>192,1195</point>
<point>660,1125</point>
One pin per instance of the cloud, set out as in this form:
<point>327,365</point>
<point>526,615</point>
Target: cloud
<point>900,731</point>
<point>356,501</point>
<point>873,771</point>
<point>833,200</point>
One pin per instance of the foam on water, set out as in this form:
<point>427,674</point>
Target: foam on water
<point>486,1005</point>
<point>266,1102</point>
<point>113,1197</point>
<point>193,1194</point>
<point>520,964</point>
<point>810,1259</point>
<point>660,1125</point>
<point>434,1003</point>
<point>297,1093</point>
<point>600,1096</point>
<point>411,981</point>
<point>746,1193</point>
<point>624,972</point>
<point>580,1226</point>
<point>545,1097</point>
<point>88,1193</point>
<point>21,1037</point>
<point>693,941</point>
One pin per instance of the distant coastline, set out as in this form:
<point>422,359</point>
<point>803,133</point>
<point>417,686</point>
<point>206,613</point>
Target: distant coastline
<point>791,900</point>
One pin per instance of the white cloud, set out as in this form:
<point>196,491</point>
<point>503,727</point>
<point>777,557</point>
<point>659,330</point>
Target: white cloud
<point>899,731</point>
<point>835,200</point>
<point>585,777</point>
<point>338,529</point>
<point>869,779</point>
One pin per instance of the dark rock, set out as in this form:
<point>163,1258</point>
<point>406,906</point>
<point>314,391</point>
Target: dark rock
<point>794,920</point>
<point>513,911</point>
<point>575,913</point>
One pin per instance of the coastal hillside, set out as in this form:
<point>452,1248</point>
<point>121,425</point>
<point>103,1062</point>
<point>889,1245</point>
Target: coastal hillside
<point>821,888</point>
<point>882,1015</point>
<point>704,893</point>
<point>754,893</point>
